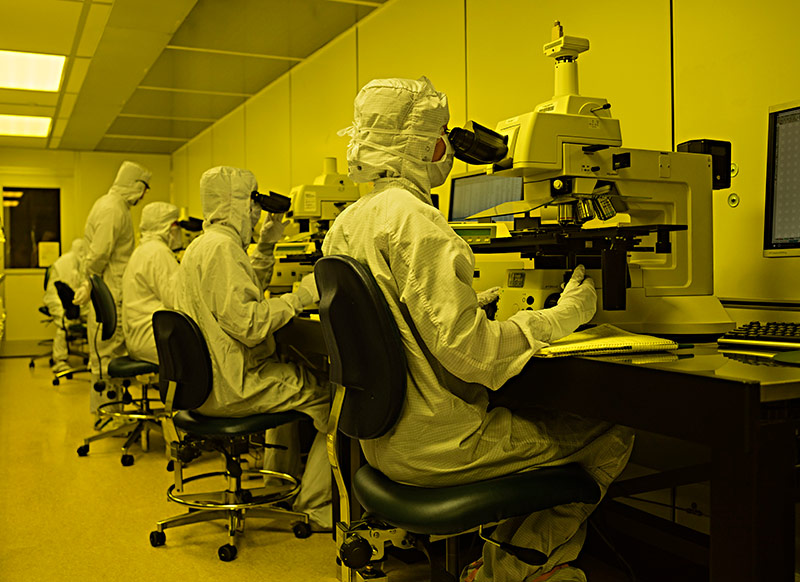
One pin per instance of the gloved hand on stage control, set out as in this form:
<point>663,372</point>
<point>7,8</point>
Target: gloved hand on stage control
<point>488,296</point>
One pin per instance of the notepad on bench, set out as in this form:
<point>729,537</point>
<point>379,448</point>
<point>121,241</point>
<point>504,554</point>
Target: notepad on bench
<point>604,339</point>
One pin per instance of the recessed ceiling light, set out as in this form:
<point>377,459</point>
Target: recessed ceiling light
<point>24,125</point>
<point>31,71</point>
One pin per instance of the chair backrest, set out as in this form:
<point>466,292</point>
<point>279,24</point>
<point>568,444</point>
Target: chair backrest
<point>104,307</point>
<point>66,295</point>
<point>183,358</point>
<point>364,345</point>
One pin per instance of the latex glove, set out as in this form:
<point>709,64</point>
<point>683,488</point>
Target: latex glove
<point>272,229</point>
<point>575,307</point>
<point>83,294</point>
<point>488,296</point>
<point>307,291</point>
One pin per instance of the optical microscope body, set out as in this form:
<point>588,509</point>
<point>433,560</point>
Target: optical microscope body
<point>314,207</point>
<point>639,220</point>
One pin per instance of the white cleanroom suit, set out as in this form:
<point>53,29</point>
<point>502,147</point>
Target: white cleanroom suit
<point>446,433</point>
<point>222,289</point>
<point>66,269</point>
<point>147,284</point>
<point>109,237</point>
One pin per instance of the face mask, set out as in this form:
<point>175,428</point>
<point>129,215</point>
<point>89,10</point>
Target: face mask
<point>438,171</point>
<point>255,214</point>
<point>175,238</point>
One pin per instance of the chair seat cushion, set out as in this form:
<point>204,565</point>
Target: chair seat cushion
<point>458,508</point>
<point>126,367</point>
<point>198,424</point>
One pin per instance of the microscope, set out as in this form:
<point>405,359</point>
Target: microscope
<point>639,220</point>
<point>313,209</point>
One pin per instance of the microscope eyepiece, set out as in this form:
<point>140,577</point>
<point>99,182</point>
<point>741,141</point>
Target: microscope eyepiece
<point>272,202</point>
<point>475,144</point>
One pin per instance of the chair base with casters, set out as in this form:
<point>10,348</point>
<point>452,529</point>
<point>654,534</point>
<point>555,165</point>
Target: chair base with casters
<point>232,437</point>
<point>139,420</point>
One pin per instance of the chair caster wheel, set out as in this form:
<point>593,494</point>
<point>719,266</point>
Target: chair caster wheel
<point>127,398</point>
<point>301,530</point>
<point>112,395</point>
<point>157,538</point>
<point>69,376</point>
<point>227,553</point>
<point>99,386</point>
<point>83,450</point>
<point>85,361</point>
<point>171,466</point>
<point>52,361</point>
<point>127,460</point>
<point>246,496</point>
<point>56,382</point>
<point>31,364</point>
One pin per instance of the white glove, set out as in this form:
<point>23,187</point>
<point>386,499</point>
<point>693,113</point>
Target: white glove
<point>83,294</point>
<point>307,291</point>
<point>272,229</point>
<point>575,307</point>
<point>487,296</point>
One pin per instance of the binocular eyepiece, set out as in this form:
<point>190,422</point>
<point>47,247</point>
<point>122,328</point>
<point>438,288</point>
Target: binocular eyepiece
<point>475,144</point>
<point>272,202</point>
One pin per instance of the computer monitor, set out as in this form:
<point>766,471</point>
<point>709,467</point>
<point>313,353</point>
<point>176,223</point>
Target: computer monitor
<point>472,193</point>
<point>782,208</point>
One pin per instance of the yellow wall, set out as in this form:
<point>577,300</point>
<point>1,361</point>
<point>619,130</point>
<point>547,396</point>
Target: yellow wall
<point>488,58</point>
<point>82,177</point>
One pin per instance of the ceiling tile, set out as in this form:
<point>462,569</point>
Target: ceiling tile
<point>157,127</point>
<point>180,104</point>
<point>93,29</point>
<point>22,142</point>
<point>20,97</point>
<point>109,144</point>
<point>39,26</point>
<point>77,74</point>
<point>67,104</point>
<point>272,27</point>
<point>214,72</point>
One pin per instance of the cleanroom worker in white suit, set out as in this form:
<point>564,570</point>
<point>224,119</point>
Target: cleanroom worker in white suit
<point>222,289</point>
<point>109,236</point>
<point>66,269</point>
<point>455,355</point>
<point>147,284</point>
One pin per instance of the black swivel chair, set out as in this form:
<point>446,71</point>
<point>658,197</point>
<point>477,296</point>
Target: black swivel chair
<point>368,369</point>
<point>141,417</point>
<point>185,382</point>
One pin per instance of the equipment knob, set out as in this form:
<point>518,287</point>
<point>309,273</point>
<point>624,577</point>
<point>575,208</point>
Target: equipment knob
<point>355,552</point>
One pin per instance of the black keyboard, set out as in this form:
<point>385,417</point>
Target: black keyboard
<point>768,336</point>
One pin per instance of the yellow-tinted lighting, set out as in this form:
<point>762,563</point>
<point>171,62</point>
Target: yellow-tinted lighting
<point>24,125</point>
<point>30,71</point>
<point>10,203</point>
<point>12,194</point>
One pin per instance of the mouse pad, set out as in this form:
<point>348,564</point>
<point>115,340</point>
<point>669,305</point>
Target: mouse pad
<point>792,357</point>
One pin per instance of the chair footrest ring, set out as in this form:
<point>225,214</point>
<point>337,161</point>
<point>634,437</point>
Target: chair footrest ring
<point>193,500</point>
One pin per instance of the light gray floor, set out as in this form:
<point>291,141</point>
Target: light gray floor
<point>68,518</point>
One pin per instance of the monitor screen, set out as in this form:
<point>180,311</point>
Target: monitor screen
<point>782,209</point>
<point>471,194</point>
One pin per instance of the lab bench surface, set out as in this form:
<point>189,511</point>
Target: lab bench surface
<point>744,412</point>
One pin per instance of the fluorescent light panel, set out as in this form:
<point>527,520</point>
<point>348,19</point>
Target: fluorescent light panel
<point>24,125</point>
<point>30,71</point>
<point>10,203</point>
<point>12,194</point>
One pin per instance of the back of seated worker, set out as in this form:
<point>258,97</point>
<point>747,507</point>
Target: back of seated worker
<point>66,269</point>
<point>446,433</point>
<point>222,289</point>
<point>147,284</point>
